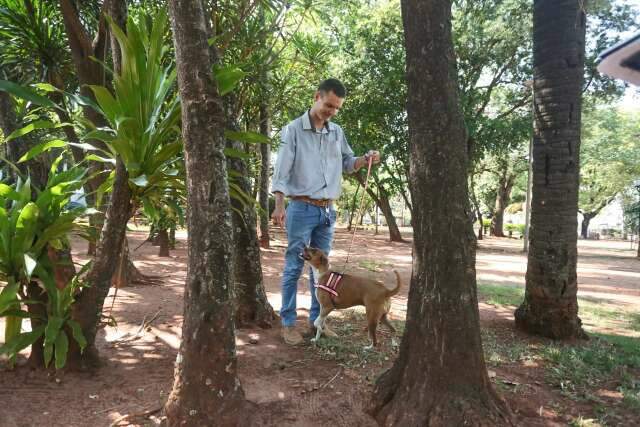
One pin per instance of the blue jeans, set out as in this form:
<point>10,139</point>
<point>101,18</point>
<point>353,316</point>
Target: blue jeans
<point>306,225</point>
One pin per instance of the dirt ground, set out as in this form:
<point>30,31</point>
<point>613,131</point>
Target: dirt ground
<point>304,386</point>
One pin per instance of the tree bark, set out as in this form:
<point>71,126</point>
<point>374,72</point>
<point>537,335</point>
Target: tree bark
<point>251,304</point>
<point>87,309</point>
<point>38,168</point>
<point>206,389</point>
<point>265,166</point>
<point>584,226</point>
<point>505,184</point>
<point>163,240</point>
<point>382,200</point>
<point>550,306</point>
<point>426,385</point>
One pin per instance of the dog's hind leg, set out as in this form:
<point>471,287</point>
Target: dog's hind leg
<point>372,323</point>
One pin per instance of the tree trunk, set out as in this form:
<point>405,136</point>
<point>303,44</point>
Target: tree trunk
<point>87,309</point>
<point>382,200</point>
<point>265,166</point>
<point>550,306</point>
<point>206,389</point>
<point>503,194</point>
<point>584,226</point>
<point>251,304</point>
<point>37,309</point>
<point>163,240</point>
<point>37,168</point>
<point>426,385</point>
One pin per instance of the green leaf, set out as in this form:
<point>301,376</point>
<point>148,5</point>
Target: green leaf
<point>21,341</point>
<point>62,347</point>
<point>52,329</point>
<point>227,78</point>
<point>106,101</point>
<point>239,154</point>
<point>8,296</point>
<point>27,94</point>
<point>25,231</point>
<point>41,148</point>
<point>8,193</point>
<point>48,353</point>
<point>76,330</point>
<point>97,158</point>
<point>248,137</point>
<point>39,124</point>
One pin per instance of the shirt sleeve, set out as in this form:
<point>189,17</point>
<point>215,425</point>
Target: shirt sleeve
<point>348,159</point>
<point>284,163</point>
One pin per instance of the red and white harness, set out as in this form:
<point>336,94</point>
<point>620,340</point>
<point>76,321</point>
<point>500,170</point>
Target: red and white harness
<point>332,284</point>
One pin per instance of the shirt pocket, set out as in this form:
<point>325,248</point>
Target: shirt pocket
<point>333,147</point>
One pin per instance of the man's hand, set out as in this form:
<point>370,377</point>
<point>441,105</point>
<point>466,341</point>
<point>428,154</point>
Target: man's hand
<point>373,154</point>
<point>279,215</point>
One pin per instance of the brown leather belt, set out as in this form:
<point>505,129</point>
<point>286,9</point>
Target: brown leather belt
<point>323,203</point>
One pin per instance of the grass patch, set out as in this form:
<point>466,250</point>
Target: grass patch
<point>634,322</point>
<point>605,361</point>
<point>594,311</point>
<point>349,348</point>
<point>501,295</point>
<point>501,350</point>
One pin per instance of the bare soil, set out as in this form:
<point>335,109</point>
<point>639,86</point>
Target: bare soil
<point>307,385</point>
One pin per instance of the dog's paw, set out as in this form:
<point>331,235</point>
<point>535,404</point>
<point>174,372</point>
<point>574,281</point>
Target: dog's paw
<point>368,347</point>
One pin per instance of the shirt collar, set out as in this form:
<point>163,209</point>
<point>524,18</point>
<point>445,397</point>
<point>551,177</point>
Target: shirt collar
<point>306,123</point>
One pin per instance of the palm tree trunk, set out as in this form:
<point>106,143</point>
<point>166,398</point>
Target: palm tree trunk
<point>426,385</point>
<point>251,304</point>
<point>265,166</point>
<point>550,306</point>
<point>206,389</point>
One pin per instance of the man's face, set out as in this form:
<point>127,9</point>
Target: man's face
<point>327,105</point>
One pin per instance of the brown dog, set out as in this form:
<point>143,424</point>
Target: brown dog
<point>352,291</point>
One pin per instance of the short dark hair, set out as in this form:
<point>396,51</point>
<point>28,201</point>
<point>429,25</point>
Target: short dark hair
<point>333,85</point>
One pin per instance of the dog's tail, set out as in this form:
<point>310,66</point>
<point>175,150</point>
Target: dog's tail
<point>395,290</point>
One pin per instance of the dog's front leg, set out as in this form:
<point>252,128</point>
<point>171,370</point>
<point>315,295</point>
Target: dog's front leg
<point>318,323</point>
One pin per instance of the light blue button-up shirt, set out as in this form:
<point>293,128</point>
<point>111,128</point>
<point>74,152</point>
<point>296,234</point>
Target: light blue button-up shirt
<point>310,162</point>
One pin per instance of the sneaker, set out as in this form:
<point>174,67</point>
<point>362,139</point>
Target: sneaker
<point>291,336</point>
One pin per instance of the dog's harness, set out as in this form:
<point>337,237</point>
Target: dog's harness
<point>332,284</point>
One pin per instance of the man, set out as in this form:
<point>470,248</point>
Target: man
<point>312,157</point>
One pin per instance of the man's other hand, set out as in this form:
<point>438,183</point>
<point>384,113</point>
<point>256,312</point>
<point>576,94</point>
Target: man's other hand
<point>279,216</point>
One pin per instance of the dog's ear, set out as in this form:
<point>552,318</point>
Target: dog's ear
<point>323,258</point>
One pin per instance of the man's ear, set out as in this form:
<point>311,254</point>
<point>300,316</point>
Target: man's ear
<point>317,96</point>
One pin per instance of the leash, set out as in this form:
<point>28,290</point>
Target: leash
<point>360,213</point>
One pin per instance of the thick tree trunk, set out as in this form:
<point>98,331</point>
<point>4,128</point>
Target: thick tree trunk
<point>505,185</point>
<point>265,166</point>
<point>426,385</point>
<point>251,304</point>
<point>550,307</point>
<point>206,389</point>
<point>163,240</point>
<point>87,309</point>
